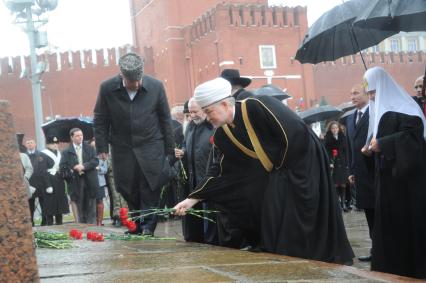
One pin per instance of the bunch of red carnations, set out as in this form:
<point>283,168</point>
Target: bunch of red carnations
<point>95,237</point>
<point>126,221</point>
<point>76,234</point>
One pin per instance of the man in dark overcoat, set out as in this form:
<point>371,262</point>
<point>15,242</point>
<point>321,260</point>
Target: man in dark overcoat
<point>78,167</point>
<point>196,148</point>
<point>361,167</point>
<point>132,114</point>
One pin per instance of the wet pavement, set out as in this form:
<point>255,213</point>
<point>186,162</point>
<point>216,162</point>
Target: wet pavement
<point>177,261</point>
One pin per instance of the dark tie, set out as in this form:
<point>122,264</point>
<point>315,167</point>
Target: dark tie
<point>358,118</point>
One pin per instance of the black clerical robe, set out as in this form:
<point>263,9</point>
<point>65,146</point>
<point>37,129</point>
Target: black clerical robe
<point>399,236</point>
<point>299,213</point>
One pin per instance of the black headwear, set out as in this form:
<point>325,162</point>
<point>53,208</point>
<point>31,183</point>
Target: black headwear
<point>233,76</point>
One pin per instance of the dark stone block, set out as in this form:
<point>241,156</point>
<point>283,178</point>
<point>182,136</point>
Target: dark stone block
<point>17,254</point>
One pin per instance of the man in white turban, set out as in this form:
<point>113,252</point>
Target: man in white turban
<point>291,204</point>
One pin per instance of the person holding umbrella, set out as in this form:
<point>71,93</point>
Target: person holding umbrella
<point>397,134</point>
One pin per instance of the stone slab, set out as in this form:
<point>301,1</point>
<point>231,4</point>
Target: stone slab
<point>18,261</point>
<point>177,261</point>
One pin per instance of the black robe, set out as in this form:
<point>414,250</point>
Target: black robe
<point>56,202</point>
<point>299,211</point>
<point>399,236</point>
<point>235,183</point>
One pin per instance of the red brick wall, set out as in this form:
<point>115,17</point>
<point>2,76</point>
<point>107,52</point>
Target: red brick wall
<point>69,92</point>
<point>239,42</point>
<point>333,80</point>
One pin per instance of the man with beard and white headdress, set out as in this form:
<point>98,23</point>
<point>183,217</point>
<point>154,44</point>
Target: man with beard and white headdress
<point>294,208</point>
<point>196,149</point>
<point>397,136</point>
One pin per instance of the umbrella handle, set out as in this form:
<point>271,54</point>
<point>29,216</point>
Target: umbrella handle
<point>357,46</point>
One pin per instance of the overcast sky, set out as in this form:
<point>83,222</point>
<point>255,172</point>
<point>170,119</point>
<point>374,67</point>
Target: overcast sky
<point>95,24</point>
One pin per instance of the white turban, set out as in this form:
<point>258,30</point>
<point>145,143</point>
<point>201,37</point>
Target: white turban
<point>212,91</point>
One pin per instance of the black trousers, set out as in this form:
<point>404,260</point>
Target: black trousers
<point>58,219</point>
<point>33,208</point>
<point>141,197</point>
<point>86,205</point>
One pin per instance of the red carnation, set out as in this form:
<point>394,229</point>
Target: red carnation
<point>124,212</point>
<point>212,140</point>
<point>100,237</point>
<point>73,232</point>
<point>131,225</point>
<point>334,153</point>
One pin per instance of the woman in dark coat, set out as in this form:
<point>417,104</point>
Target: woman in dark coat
<point>335,143</point>
<point>56,201</point>
<point>397,137</point>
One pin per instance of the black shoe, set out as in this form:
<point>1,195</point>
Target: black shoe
<point>147,233</point>
<point>246,248</point>
<point>366,258</point>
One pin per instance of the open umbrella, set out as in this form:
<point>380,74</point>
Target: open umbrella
<point>60,128</point>
<point>333,35</point>
<point>393,15</point>
<point>273,91</point>
<point>346,106</point>
<point>345,115</point>
<point>320,113</point>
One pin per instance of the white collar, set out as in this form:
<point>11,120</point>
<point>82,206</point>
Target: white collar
<point>75,146</point>
<point>363,109</point>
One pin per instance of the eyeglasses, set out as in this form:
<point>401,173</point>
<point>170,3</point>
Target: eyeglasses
<point>418,86</point>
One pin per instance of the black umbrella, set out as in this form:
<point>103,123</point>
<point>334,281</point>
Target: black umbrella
<point>393,15</point>
<point>345,115</point>
<point>320,113</point>
<point>60,128</point>
<point>346,106</point>
<point>273,91</point>
<point>333,35</point>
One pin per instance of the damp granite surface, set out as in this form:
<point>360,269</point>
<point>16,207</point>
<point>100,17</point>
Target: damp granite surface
<point>179,261</point>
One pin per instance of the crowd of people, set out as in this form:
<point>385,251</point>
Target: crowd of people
<point>277,186</point>
<point>74,177</point>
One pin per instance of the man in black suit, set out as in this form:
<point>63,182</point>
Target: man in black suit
<point>39,179</point>
<point>361,167</point>
<point>78,166</point>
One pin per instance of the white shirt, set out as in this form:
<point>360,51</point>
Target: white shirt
<point>130,93</point>
<point>75,146</point>
<point>362,110</point>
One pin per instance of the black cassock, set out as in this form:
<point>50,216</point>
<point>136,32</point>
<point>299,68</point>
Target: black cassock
<point>296,202</point>
<point>399,236</point>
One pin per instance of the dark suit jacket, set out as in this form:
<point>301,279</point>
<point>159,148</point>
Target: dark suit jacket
<point>138,129</point>
<point>40,177</point>
<point>197,148</point>
<point>361,166</point>
<point>90,162</point>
